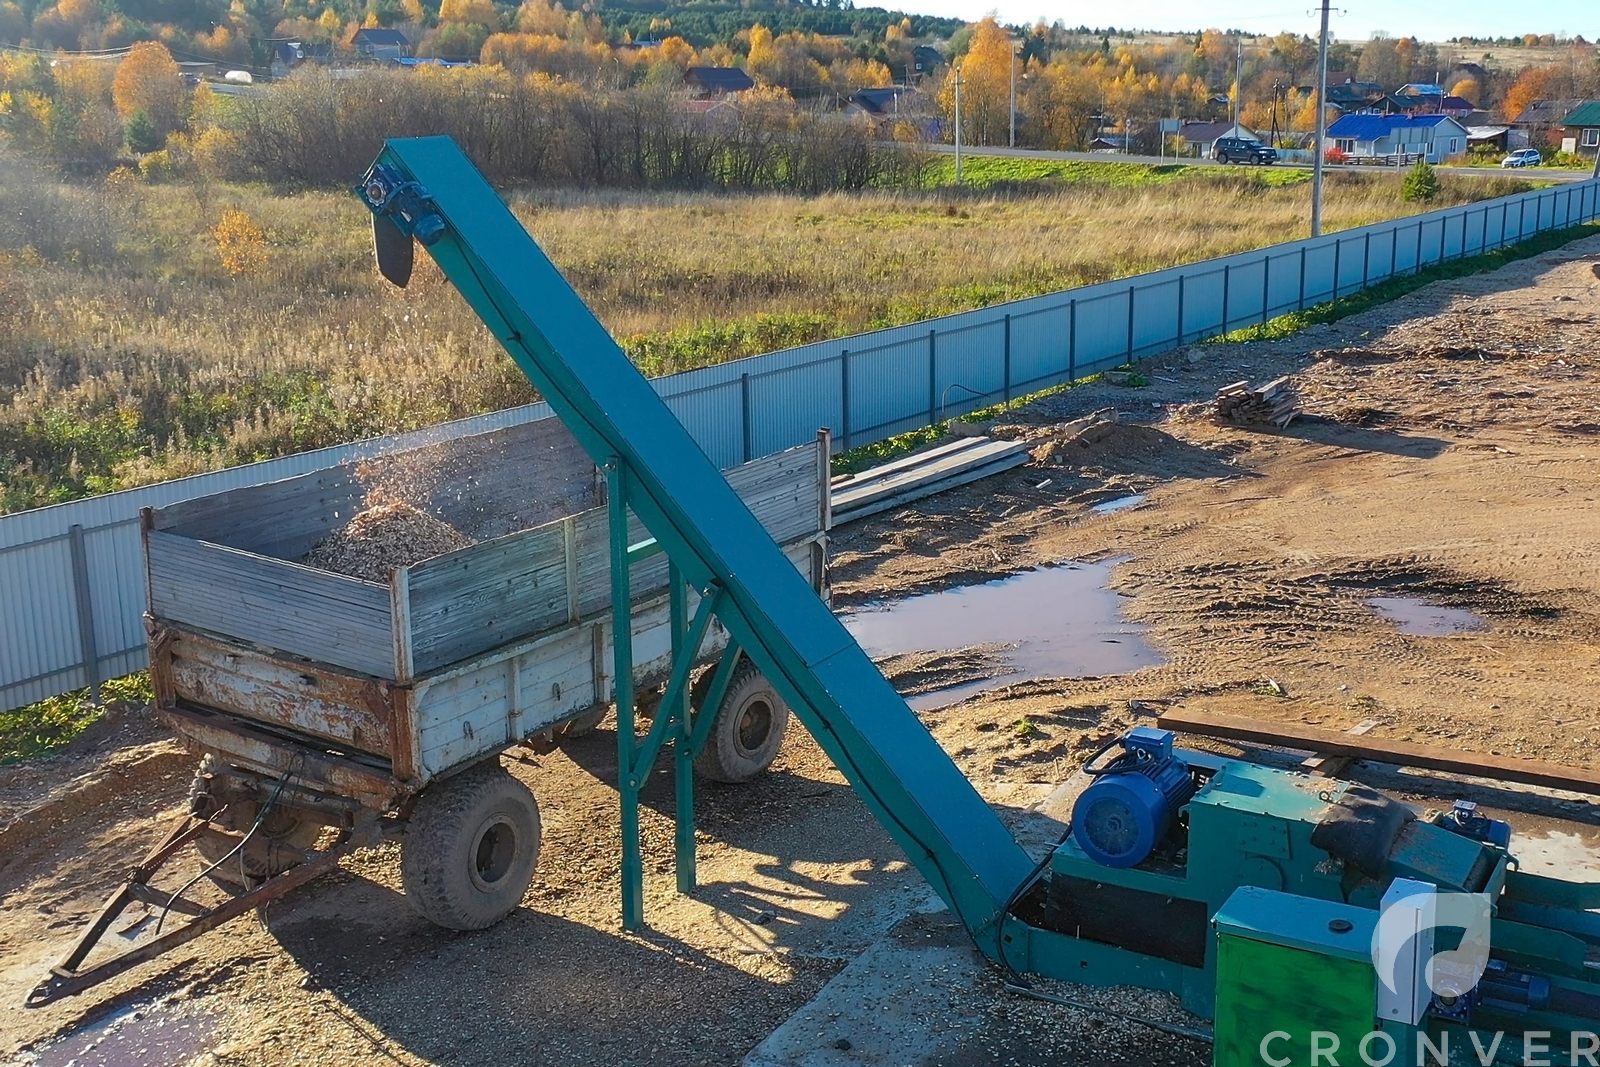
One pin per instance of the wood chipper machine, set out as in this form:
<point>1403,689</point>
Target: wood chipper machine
<point>1285,908</point>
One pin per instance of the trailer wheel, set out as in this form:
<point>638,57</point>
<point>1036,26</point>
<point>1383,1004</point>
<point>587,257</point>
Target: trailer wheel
<point>748,730</point>
<point>470,849</point>
<point>271,851</point>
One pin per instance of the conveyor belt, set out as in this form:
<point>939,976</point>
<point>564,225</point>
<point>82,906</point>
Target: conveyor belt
<point>904,777</point>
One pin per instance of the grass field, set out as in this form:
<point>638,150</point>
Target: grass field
<point>132,354</point>
<point>988,172</point>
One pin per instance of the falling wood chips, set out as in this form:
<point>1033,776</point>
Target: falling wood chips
<point>385,535</point>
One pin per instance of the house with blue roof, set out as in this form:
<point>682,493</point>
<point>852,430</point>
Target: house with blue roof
<point>1433,137</point>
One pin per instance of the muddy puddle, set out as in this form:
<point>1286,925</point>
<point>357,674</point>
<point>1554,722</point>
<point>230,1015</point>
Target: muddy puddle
<point>1420,618</point>
<point>1121,503</point>
<point>147,1035</point>
<point>1054,622</point>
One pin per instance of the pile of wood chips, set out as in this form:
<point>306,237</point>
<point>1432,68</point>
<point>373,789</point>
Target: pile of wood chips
<point>385,535</point>
<point>1273,404</point>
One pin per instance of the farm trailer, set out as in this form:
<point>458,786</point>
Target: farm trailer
<point>317,700</point>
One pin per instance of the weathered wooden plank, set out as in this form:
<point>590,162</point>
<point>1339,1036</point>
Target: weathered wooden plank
<point>843,512</point>
<point>485,485</point>
<point>1333,766</point>
<point>916,459</point>
<point>486,595</point>
<point>473,709</point>
<point>279,605</point>
<point>350,710</point>
<point>1384,750</point>
<point>936,471</point>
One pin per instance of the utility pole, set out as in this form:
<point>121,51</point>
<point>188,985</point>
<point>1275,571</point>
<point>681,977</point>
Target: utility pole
<point>958,125</point>
<point>1012,140</point>
<point>1322,125</point>
<point>1238,80</point>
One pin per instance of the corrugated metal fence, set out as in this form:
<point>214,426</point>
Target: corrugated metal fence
<point>72,579</point>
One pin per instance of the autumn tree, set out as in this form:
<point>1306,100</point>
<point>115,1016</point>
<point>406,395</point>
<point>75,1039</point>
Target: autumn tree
<point>1534,83</point>
<point>761,58</point>
<point>241,243</point>
<point>985,72</point>
<point>477,12</point>
<point>147,80</point>
<point>678,52</point>
<point>541,16</point>
<point>1061,99</point>
<point>1467,89</point>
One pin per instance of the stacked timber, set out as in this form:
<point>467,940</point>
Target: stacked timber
<point>901,481</point>
<point>1273,404</point>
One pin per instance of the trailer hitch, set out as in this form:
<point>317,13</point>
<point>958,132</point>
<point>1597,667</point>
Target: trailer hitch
<point>69,976</point>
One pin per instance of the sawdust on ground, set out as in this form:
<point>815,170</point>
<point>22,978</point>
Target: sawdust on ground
<point>1449,451</point>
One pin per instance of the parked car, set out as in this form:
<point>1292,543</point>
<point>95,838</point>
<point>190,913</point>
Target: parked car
<point>1243,150</point>
<point>1523,157</point>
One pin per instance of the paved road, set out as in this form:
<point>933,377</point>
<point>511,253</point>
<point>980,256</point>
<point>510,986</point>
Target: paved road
<point>1531,173</point>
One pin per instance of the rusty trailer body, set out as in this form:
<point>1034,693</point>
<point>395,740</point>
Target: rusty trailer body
<point>384,688</point>
<point>326,709</point>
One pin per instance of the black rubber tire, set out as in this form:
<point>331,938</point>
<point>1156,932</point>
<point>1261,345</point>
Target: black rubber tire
<point>471,847</point>
<point>260,859</point>
<point>748,731</point>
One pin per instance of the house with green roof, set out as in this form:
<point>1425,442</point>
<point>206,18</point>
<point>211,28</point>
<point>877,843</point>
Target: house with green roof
<point>1582,126</point>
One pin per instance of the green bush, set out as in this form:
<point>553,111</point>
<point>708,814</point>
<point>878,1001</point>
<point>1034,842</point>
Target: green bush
<point>1422,184</point>
<point>158,166</point>
<point>1568,160</point>
<point>39,729</point>
<point>142,134</point>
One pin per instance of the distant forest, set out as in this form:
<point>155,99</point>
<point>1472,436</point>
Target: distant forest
<point>708,22</point>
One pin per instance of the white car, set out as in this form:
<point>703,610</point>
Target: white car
<point>1523,157</point>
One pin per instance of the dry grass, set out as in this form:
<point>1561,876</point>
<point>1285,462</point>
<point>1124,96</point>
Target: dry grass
<point>132,355</point>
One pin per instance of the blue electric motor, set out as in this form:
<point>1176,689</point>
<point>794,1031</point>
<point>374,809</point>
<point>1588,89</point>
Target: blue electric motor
<point>1127,810</point>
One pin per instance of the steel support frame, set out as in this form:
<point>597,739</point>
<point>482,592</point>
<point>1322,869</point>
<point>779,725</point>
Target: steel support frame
<point>676,719</point>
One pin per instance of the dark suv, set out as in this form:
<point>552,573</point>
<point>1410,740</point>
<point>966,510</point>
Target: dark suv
<point>1242,150</point>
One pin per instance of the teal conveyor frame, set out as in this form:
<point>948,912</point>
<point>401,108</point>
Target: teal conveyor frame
<point>426,188</point>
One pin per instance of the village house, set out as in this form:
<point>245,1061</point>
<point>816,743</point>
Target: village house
<point>1432,137</point>
<point>1582,126</point>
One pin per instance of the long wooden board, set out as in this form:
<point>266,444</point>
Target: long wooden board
<point>1381,750</point>
<point>902,482</point>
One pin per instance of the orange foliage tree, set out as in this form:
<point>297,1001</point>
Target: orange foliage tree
<point>147,80</point>
<point>986,72</point>
<point>479,12</point>
<point>1535,83</point>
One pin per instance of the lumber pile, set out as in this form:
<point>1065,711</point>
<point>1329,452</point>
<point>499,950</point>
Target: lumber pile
<point>1273,404</point>
<point>909,478</point>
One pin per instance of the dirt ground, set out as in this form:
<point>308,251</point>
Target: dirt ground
<point>1449,451</point>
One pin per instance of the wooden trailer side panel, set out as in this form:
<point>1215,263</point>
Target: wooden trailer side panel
<point>485,485</point>
<point>270,603</point>
<point>479,598</point>
<point>467,713</point>
<point>352,711</point>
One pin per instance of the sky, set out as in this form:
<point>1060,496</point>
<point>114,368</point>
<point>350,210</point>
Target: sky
<point>1360,18</point>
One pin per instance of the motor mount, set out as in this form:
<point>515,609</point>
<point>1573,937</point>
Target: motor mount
<point>1127,810</point>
